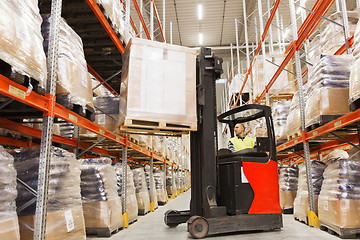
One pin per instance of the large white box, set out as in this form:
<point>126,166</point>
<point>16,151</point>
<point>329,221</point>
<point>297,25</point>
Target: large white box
<point>158,86</point>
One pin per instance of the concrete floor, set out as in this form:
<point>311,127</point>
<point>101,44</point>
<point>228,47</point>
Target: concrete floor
<point>152,226</point>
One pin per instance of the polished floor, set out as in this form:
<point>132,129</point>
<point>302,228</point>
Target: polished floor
<point>152,226</point>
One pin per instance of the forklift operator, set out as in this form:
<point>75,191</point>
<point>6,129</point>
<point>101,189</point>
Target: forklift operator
<point>240,141</point>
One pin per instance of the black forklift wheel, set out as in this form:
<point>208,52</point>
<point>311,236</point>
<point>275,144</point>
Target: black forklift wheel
<point>170,225</point>
<point>198,227</point>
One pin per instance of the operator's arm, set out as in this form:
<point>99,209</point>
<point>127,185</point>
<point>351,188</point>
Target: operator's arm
<point>231,146</point>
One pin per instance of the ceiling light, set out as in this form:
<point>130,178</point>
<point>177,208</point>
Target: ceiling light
<point>200,12</point>
<point>200,38</point>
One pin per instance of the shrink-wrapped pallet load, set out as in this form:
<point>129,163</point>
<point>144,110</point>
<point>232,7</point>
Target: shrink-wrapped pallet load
<point>354,83</point>
<point>101,202</point>
<point>131,201</point>
<point>328,91</point>
<point>293,121</point>
<point>142,194</point>
<point>288,181</point>
<point>314,53</point>
<point>65,218</point>
<point>152,190</point>
<point>107,112</point>
<point>159,187</point>
<point>170,182</point>
<point>301,202</point>
<point>280,112</point>
<point>9,226</point>
<point>158,86</point>
<point>73,84</point>
<point>21,42</point>
<point>332,35</point>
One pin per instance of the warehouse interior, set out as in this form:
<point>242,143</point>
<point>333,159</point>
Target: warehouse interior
<point>158,119</point>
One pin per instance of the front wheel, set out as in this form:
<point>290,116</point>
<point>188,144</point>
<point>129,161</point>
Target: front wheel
<point>170,225</point>
<point>198,227</point>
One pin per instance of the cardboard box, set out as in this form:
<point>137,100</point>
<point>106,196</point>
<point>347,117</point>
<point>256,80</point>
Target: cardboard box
<point>65,224</point>
<point>287,199</point>
<point>344,213</point>
<point>9,229</point>
<point>103,214</point>
<point>143,200</point>
<point>301,205</point>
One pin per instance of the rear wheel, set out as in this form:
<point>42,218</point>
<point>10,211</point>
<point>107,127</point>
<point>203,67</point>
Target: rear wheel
<point>198,227</point>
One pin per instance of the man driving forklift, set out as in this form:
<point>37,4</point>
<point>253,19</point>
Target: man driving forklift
<point>240,141</point>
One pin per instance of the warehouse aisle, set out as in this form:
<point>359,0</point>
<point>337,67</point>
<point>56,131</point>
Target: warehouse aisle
<point>152,226</point>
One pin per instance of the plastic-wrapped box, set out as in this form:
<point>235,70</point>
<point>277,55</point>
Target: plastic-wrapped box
<point>142,194</point>
<point>65,218</point>
<point>99,191</point>
<point>314,52</point>
<point>170,186</point>
<point>73,85</point>
<point>152,193</point>
<point>339,199</point>
<point>301,202</point>
<point>262,75</point>
<point>8,218</point>
<point>159,186</point>
<point>21,42</point>
<point>131,201</point>
<point>354,83</point>
<point>328,93</point>
<point>332,35</point>
<point>110,106</point>
<point>158,86</point>
<point>288,181</point>
<point>280,112</point>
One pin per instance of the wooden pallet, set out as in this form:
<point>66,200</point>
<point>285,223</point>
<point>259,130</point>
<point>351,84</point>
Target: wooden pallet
<point>141,212</point>
<point>161,203</point>
<point>293,136</point>
<point>282,96</point>
<point>103,232</point>
<point>157,126</point>
<point>301,220</point>
<point>348,233</point>
<point>287,210</point>
<point>323,120</point>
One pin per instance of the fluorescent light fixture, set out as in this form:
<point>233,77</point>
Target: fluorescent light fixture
<point>200,38</point>
<point>200,12</point>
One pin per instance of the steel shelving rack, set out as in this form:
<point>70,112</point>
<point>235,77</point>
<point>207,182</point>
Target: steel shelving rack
<point>52,110</point>
<point>299,149</point>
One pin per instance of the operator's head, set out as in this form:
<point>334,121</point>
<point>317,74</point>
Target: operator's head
<point>239,130</point>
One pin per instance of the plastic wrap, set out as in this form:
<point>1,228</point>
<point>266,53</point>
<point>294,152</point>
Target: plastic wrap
<point>159,186</point>
<point>65,218</point>
<point>293,122</point>
<point>131,201</point>
<point>339,199</point>
<point>356,44</point>
<point>301,202</point>
<point>152,193</point>
<point>262,75</point>
<point>21,42</point>
<point>170,186</point>
<point>314,52</point>
<point>8,217</point>
<point>158,84</point>
<point>354,83</point>
<point>142,194</point>
<point>110,106</point>
<point>280,112</point>
<point>328,93</point>
<point>99,191</point>
<point>332,35</point>
<point>288,181</point>
<point>73,85</point>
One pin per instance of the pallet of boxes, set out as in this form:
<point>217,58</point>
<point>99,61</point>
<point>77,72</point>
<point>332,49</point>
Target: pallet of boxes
<point>159,186</point>
<point>150,184</point>
<point>65,217</point>
<point>288,181</point>
<point>142,193</point>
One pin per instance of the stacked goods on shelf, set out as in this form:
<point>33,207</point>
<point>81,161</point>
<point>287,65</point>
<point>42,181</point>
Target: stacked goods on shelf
<point>262,75</point>
<point>314,52</point>
<point>152,190</point>
<point>9,228</point>
<point>21,42</point>
<point>328,91</point>
<point>107,112</point>
<point>170,182</point>
<point>301,202</point>
<point>260,127</point>
<point>142,194</point>
<point>293,122</point>
<point>158,86</point>
<point>101,202</point>
<point>288,181</point>
<point>236,84</point>
<point>65,218</point>
<point>332,35</point>
<point>159,186</point>
<point>280,112</point>
<point>73,85</point>
<point>131,201</point>
<point>354,83</point>
<point>339,199</point>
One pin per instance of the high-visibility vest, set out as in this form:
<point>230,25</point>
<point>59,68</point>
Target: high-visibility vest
<point>239,144</point>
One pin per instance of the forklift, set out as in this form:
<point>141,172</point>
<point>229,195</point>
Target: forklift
<point>230,191</point>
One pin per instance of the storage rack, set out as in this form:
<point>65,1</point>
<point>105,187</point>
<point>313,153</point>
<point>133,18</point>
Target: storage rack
<point>50,110</point>
<point>302,148</point>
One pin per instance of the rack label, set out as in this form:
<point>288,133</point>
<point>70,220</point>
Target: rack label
<point>315,133</point>
<point>296,141</point>
<point>72,118</point>
<point>118,139</point>
<point>16,91</point>
<point>338,123</point>
<point>101,131</point>
<point>69,220</point>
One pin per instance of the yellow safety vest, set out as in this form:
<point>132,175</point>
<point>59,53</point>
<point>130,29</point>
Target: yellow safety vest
<point>239,144</point>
